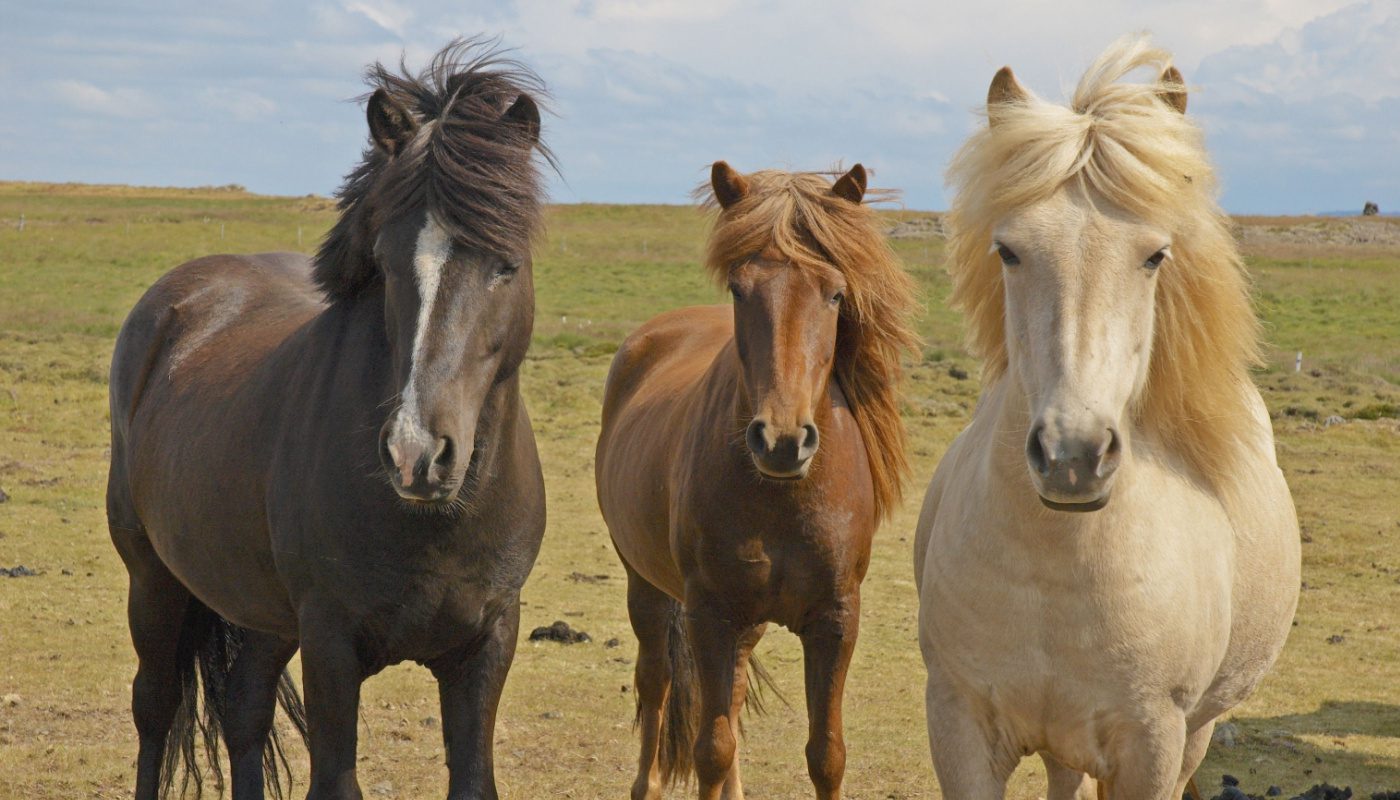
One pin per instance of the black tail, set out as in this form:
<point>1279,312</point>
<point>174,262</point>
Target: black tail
<point>681,721</point>
<point>208,645</point>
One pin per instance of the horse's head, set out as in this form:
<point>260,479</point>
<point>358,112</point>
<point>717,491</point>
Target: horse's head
<point>785,331</point>
<point>452,242</point>
<point>1080,276</point>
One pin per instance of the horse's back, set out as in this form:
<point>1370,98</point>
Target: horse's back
<point>181,319</point>
<point>656,372</point>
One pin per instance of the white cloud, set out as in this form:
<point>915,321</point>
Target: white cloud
<point>89,99</point>
<point>242,104</point>
<point>392,17</point>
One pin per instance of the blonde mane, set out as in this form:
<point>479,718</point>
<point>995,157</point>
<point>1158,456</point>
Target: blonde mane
<point>798,215</point>
<point>1125,143</point>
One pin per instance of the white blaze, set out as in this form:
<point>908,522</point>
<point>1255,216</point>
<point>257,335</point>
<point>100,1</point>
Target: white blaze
<point>433,249</point>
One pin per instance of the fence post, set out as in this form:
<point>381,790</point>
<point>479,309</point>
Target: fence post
<point>1298,362</point>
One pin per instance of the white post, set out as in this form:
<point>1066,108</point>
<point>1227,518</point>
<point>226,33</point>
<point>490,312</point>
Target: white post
<point>21,223</point>
<point>1298,362</point>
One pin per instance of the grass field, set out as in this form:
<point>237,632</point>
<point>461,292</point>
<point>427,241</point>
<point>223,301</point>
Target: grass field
<point>1330,711</point>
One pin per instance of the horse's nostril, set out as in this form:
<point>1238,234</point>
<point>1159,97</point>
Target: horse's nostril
<point>754,436</point>
<point>1111,454</point>
<point>445,453</point>
<point>811,440</point>
<point>1035,451</point>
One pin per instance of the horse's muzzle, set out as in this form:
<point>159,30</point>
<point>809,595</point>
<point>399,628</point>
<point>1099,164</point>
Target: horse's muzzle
<point>1073,473</point>
<point>420,469</point>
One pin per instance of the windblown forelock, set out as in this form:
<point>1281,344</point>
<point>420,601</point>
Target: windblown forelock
<point>476,174</point>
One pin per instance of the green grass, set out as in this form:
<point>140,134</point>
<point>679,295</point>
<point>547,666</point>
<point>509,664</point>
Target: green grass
<point>1329,712</point>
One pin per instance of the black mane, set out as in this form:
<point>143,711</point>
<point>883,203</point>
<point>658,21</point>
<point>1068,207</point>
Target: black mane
<point>474,173</point>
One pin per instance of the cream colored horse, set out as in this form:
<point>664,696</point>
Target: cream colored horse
<point>1107,558</point>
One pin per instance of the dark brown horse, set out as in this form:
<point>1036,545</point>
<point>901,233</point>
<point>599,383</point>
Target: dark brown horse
<point>332,454</point>
<point>746,458</point>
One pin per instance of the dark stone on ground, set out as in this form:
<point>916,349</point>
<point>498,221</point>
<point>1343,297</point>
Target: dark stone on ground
<point>559,632</point>
<point>20,571</point>
<point>613,642</point>
<point>3,496</point>
<point>957,373</point>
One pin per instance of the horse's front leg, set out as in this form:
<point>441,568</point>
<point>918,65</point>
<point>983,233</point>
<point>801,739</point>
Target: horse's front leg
<point>469,685</point>
<point>1148,766</point>
<point>332,675</point>
<point>721,652</point>
<point>827,645</point>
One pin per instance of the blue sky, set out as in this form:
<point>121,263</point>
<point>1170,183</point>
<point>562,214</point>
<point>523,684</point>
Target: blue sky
<point>1300,98</point>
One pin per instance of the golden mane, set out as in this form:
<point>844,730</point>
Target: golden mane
<point>1126,143</point>
<point>797,214</point>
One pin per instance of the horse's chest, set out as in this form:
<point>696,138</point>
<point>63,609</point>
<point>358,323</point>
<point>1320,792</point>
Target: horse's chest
<point>1066,639</point>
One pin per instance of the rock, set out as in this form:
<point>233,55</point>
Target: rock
<point>957,373</point>
<point>1333,420</point>
<point>1225,735</point>
<point>559,632</point>
<point>1273,791</point>
<point>613,642</point>
<point>20,571</point>
<point>383,788</point>
<point>1229,780</point>
<point>552,715</point>
<point>11,700</point>
<point>1336,638</point>
<point>3,497</point>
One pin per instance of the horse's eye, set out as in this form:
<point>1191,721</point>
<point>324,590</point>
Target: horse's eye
<point>837,298</point>
<point>734,291</point>
<point>1008,258</point>
<point>507,267</point>
<point>1156,260</point>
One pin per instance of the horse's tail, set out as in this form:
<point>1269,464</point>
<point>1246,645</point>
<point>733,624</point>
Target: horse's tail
<point>681,721</point>
<point>208,646</point>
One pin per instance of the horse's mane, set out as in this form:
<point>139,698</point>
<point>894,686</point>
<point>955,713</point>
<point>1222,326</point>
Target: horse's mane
<point>797,214</point>
<point>475,174</point>
<point>1125,143</point>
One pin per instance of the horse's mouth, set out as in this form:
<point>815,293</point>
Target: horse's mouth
<point>453,492</point>
<point>1075,508</point>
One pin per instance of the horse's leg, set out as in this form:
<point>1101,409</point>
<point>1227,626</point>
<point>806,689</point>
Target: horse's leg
<point>650,610</point>
<point>747,640</point>
<point>715,643</point>
<point>827,645</point>
<point>1149,765</point>
<point>1065,783</point>
<point>331,675</point>
<point>156,604</point>
<point>1197,743</point>
<point>469,687</point>
<point>252,704</point>
<point>969,765</point>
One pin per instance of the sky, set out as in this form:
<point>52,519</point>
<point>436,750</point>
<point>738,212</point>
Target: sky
<point>1300,99</point>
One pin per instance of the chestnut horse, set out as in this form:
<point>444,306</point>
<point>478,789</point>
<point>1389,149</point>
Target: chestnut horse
<point>1108,556</point>
<point>746,457</point>
<point>332,454</point>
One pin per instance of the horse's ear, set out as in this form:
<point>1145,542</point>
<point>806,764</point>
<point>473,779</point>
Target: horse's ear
<point>525,113</point>
<point>730,187</point>
<point>390,125</point>
<point>1005,90</point>
<point>1173,89</point>
<point>851,186</point>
